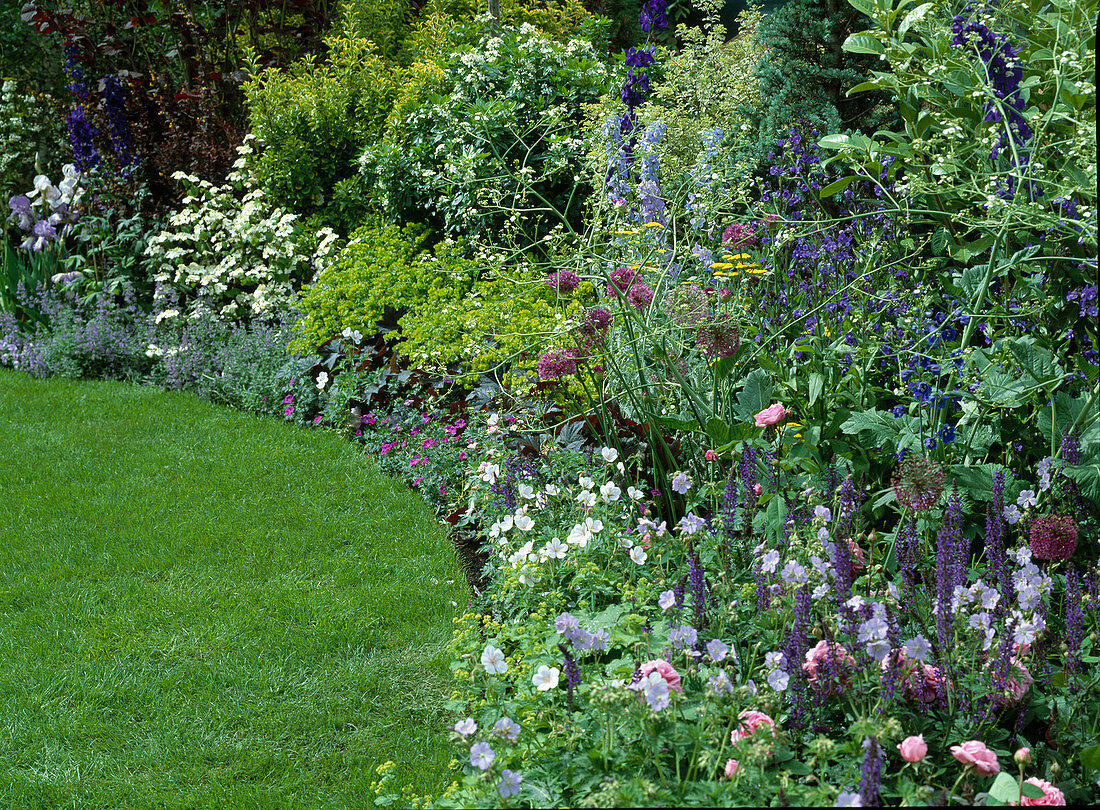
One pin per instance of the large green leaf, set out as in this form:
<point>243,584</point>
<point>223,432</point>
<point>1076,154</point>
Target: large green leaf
<point>1037,362</point>
<point>756,395</point>
<point>863,43</point>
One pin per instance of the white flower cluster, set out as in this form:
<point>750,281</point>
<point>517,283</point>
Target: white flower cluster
<point>232,253</point>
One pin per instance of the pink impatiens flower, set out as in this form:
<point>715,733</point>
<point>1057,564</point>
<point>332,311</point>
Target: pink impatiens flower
<point>772,415</point>
<point>974,754</point>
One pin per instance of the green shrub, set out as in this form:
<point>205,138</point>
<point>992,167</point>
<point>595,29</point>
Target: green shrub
<point>501,142</point>
<point>383,22</point>
<point>501,325</point>
<point>231,253</point>
<point>314,118</point>
<point>379,267</point>
<point>709,83</point>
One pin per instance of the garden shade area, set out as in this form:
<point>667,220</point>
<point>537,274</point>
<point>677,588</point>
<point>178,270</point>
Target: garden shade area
<point>200,606</point>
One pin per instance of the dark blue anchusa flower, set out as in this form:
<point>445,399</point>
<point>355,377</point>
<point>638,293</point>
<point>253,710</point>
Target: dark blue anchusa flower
<point>898,411</point>
<point>85,155</point>
<point>640,58</point>
<point>653,16</point>
<point>947,433</point>
<point>930,443</point>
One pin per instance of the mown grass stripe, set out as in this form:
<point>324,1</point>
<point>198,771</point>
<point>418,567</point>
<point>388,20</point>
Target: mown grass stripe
<point>199,607</point>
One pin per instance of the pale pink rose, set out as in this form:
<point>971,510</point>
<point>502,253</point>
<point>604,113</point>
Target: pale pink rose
<point>751,721</point>
<point>855,553</point>
<point>1022,756</point>
<point>710,455</point>
<point>913,749</point>
<point>666,671</point>
<point>1016,686</point>
<point>974,754</point>
<point>771,415</point>
<point>731,767</point>
<point>920,682</point>
<point>831,655</point>
<point>757,489</point>
<point>1052,796</point>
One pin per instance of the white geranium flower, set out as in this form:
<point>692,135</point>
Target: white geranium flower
<point>493,660</point>
<point>524,523</point>
<point>555,549</point>
<point>634,493</point>
<point>609,454</point>
<point>638,555</point>
<point>609,492</point>
<point>587,499</point>
<point>546,678</point>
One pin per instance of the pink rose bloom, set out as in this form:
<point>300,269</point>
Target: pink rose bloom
<point>1052,796</point>
<point>757,489</point>
<point>920,682</point>
<point>1015,686</point>
<point>974,754</point>
<point>831,655</point>
<point>710,455</point>
<point>666,671</point>
<point>772,415</point>
<point>751,720</point>
<point>1022,756</point>
<point>913,749</point>
<point>731,767</point>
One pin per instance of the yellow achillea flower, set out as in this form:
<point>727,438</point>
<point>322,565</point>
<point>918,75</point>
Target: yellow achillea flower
<point>653,225</point>
<point>721,266</point>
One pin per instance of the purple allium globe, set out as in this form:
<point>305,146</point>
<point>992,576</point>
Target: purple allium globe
<point>719,336</point>
<point>687,305</point>
<point>640,295</point>
<point>594,328</point>
<point>1053,537</point>
<point>621,280</point>
<point>557,363</point>
<point>918,483</point>
<point>738,236</point>
<point>564,281</point>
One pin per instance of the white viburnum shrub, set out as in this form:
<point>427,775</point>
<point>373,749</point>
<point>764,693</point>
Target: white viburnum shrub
<point>231,253</point>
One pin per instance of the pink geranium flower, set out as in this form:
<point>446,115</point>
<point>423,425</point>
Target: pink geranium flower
<point>974,754</point>
<point>666,671</point>
<point>772,415</point>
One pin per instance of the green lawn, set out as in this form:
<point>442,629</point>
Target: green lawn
<point>203,608</point>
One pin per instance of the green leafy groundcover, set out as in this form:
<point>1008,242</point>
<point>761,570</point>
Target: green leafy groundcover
<point>203,608</point>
